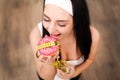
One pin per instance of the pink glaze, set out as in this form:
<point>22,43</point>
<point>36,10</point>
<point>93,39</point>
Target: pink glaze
<point>48,51</point>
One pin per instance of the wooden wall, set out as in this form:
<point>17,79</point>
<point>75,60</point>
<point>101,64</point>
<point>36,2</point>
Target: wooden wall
<point>105,16</point>
<point>17,18</point>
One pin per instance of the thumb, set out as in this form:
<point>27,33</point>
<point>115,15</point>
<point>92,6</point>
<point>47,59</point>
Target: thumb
<point>56,55</point>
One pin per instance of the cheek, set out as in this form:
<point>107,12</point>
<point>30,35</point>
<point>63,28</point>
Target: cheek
<point>66,30</point>
<point>69,29</point>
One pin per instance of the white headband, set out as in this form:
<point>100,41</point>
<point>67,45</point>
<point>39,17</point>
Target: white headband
<point>64,4</point>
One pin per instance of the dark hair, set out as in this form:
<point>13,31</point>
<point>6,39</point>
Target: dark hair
<point>81,23</point>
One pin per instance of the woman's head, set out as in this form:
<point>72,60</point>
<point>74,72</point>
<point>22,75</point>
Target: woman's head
<point>58,22</point>
<point>76,12</point>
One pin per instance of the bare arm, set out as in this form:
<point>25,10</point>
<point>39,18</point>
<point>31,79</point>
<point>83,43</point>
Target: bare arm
<point>92,55</point>
<point>45,70</point>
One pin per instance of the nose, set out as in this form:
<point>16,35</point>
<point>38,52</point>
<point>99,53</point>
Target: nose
<point>51,28</point>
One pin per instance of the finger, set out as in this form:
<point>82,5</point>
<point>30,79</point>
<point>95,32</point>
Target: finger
<point>62,74</point>
<point>48,58</point>
<point>59,73</point>
<point>69,66</point>
<point>40,58</point>
<point>56,55</point>
<point>37,54</point>
<point>43,58</point>
<point>70,69</point>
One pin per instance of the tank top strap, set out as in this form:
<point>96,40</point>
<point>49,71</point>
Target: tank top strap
<point>42,30</point>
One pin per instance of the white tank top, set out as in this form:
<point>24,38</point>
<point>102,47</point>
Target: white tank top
<point>71,62</point>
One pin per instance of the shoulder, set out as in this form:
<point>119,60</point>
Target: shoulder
<point>95,34</point>
<point>34,37</point>
<point>35,32</point>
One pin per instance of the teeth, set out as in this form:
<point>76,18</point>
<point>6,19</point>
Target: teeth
<point>55,34</point>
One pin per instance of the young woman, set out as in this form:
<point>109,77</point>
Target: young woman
<point>67,20</point>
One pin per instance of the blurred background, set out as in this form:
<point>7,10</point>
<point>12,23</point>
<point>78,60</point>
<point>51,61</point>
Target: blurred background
<point>19,17</point>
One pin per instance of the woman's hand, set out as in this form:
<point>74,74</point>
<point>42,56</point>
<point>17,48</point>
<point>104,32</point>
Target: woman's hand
<point>48,59</point>
<point>67,75</point>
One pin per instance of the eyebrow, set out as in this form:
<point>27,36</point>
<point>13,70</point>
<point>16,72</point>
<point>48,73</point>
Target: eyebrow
<point>62,20</point>
<point>46,15</point>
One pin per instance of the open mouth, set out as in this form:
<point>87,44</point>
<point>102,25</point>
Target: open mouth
<point>55,35</point>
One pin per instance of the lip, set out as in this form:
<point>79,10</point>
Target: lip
<point>55,35</point>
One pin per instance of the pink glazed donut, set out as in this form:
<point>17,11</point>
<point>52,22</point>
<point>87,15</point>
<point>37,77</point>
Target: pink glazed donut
<point>48,46</point>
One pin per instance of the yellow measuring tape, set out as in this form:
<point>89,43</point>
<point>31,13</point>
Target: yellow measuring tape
<point>60,64</point>
<point>49,44</point>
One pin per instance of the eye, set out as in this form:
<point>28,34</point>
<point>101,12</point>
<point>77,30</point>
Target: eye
<point>61,24</point>
<point>45,19</point>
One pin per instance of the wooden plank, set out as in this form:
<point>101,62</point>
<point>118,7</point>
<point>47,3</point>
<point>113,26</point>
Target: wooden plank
<point>105,17</point>
<point>17,18</point>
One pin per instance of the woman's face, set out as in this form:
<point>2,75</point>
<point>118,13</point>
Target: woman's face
<point>58,22</point>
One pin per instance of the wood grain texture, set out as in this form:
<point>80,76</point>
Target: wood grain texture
<point>105,16</point>
<point>17,18</point>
